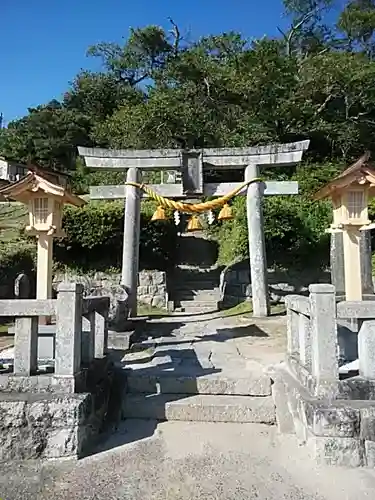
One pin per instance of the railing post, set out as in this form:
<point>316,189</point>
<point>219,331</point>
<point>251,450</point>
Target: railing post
<point>68,329</point>
<point>101,333</point>
<point>304,341</point>
<point>292,325</point>
<point>26,346</point>
<point>324,364</point>
<point>366,349</point>
<point>88,338</point>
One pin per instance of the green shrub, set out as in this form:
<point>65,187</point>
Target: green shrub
<point>95,238</point>
<point>294,232</point>
<point>15,258</point>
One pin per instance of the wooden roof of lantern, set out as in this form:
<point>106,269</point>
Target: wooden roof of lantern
<point>361,172</point>
<point>43,180</point>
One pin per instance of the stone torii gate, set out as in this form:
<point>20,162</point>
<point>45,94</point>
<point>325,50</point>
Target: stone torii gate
<point>191,163</point>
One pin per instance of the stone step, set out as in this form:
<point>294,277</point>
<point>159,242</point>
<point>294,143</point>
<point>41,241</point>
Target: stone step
<point>254,384</point>
<point>197,304</point>
<point>200,408</point>
<point>190,293</point>
<point>203,283</point>
<point>186,298</point>
<point>191,310</point>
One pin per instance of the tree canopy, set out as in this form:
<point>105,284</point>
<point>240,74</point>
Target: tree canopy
<point>159,89</point>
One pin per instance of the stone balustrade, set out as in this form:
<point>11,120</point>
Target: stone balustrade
<point>328,408</point>
<point>80,335</point>
<point>312,337</point>
<point>55,412</point>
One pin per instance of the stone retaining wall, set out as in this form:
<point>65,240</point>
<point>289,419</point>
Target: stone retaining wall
<point>235,283</point>
<point>152,286</point>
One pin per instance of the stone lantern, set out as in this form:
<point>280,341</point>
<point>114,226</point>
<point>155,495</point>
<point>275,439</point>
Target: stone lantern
<point>44,192</point>
<point>350,193</point>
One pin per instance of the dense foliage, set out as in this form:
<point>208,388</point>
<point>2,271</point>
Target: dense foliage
<point>314,81</point>
<point>95,235</point>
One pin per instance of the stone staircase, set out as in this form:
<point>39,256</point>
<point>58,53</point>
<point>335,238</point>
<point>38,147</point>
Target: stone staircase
<point>191,379</point>
<point>195,290</point>
<point>195,284</point>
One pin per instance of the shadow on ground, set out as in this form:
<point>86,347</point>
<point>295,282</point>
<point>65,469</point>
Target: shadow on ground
<point>155,383</point>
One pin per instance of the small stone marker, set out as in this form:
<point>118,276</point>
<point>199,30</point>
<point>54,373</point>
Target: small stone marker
<point>22,287</point>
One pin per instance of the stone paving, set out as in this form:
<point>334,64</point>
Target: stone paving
<point>209,342</point>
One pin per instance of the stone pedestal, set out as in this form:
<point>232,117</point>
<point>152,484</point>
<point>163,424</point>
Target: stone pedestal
<point>337,263</point>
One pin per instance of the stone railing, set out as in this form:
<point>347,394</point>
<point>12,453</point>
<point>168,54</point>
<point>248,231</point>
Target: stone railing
<point>362,314</point>
<point>58,412</point>
<point>312,338</point>
<point>330,408</point>
<point>80,336</point>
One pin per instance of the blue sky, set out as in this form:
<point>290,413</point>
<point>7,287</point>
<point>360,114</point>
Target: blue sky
<point>44,42</point>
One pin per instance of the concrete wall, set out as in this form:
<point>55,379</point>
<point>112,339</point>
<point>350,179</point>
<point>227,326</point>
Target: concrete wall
<point>235,283</point>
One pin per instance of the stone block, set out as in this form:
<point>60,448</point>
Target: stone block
<point>47,426</point>
<point>200,408</point>
<point>161,289</point>
<point>142,290</point>
<point>324,339</point>
<point>366,349</point>
<point>152,289</point>
<point>357,388</point>
<point>255,384</point>
<point>144,279</point>
<point>370,453</point>
<point>64,443</point>
<point>158,301</point>
<point>235,290</point>
<point>284,418</point>
<point>332,421</point>
<point>368,422</point>
<point>26,345</point>
<point>158,278</point>
<point>348,452</point>
<point>147,299</point>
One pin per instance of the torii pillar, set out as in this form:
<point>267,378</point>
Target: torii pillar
<point>130,252</point>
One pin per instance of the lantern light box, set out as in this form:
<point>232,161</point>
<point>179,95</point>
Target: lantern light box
<point>350,193</point>
<point>44,192</point>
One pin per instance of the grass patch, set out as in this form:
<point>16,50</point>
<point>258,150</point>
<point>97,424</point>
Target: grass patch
<point>146,310</point>
<point>246,308</point>
<point>4,328</point>
<point>241,308</point>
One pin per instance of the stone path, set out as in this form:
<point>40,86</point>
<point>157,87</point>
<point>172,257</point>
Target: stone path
<point>217,341</point>
<point>204,368</point>
<point>189,461</point>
